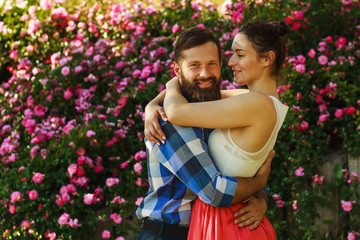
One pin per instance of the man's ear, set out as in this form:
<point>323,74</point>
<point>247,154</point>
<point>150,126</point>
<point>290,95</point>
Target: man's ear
<point>176,68</point>
<point>269,58</point>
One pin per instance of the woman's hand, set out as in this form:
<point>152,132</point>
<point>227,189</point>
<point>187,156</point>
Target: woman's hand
<point>152,128</point>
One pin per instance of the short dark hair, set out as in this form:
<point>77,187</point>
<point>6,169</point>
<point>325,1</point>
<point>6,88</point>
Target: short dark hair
<point>194,37</point>
<point>266,37</point>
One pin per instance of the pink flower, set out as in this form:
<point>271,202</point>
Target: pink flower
<point>45,4</point>
<point>65,197</point>
<point>111,182</point>
<point>318,179</point>
<point>39,110</point>
<point>323,117</point>
<point>351,110</point>
<point>116,218</point>
<point>71,188</point>
<point>72,169</point>
<point>299,15</point>
<point>78,69</point>
<point>118,200</point>
<point>14,54</point>
<point>138,201</point>
<point>341,41</point>
<point>105,234</point>
<point>175,28</point>
<point>139,155</point>
<point>65,71</point>
<point>15,196</point>
<point>200,25</point>
<point>299,172</point>
<point>300,68</point>
<point>312,53</point>
<point>64,219</point>
<point>12,209</point>
<point>98,168</point>
<point>138,182</point>
<point>33,26</point>
<point>322,60</point>
<point>67,94</point>
<point>294,205</point>
<point>352,235</point>
<point>38,177</point>
<point>347,205</point>
<point>88,198</point>
<point>137,167</point>
<point>120,238</point>
<point>338,113</point>
<point>296,25</point>
<point>33,194</point>
<point>90,133</point>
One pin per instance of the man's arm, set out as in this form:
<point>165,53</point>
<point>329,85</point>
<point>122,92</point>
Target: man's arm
<point>186,155</point>
<point>249,186</point>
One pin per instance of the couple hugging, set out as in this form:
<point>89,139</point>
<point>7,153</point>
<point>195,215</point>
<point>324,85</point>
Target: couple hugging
<point>210,162</point>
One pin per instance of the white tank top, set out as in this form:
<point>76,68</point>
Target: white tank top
<point>234,161</point>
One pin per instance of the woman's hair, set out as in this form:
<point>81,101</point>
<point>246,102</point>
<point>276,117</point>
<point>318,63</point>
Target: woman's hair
<point>266,37</point>
<point>194,37</point>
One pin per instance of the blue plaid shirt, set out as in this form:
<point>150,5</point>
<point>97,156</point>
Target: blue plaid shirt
<point>179,171</point>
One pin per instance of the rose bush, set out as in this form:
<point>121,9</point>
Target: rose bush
<point>81,73</point>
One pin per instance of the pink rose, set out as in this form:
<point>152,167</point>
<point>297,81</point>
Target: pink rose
<point>64,219</point>
<point>88,198</point>
<point>323,117</point>
<point>300,68</point>
<point>175,28</point>
<point>90,133</point>
<point>65,197</point>
<point>347,205</point>
<point>15,196</point>
<point>322,60</point>
<point>138,201</point>
<point>338,113</point>
<point>351,110</point>
<point>65,71</point>
<point>137,167</point>
<point>38,177</point>
<point>72,169</point>
<point>139,155</point>
<point>33,194</point>
<point>67,94</point>
<point>116,218</point>
<point>299,172</point>
<point>296,25</point>
<point>111,182</point>
<point>105,234</point>
<point>12,209</point>
<point>312,53</point>
<point>71,188</point>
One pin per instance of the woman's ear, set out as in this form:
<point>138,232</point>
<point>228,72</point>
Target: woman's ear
<point>269,58</point>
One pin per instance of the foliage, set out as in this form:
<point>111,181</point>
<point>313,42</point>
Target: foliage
<point>81,74</point>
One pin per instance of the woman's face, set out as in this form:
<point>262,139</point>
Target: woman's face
<point>246,65</point>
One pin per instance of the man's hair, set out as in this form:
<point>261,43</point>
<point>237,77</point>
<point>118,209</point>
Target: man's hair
<point>194,37</point>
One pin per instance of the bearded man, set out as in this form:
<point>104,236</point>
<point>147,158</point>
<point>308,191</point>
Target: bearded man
<point>181,169</point>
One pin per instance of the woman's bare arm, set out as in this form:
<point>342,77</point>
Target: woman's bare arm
<point>238,111</point>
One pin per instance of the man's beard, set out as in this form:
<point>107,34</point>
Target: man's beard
<point>193,93</point>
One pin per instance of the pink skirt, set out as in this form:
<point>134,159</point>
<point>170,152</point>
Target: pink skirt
<point>216,223</point>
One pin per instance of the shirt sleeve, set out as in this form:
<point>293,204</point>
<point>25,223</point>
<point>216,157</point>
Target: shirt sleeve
<point>186,155</point>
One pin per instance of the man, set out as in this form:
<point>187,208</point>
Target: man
<point>181,169</point>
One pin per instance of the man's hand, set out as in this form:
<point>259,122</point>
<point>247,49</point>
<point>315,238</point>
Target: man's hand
<point>252,213</point>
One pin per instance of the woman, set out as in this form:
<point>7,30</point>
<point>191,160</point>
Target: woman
<point>246,124</point>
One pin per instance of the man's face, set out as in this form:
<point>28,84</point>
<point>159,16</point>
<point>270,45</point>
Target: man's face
<point>200,73</point>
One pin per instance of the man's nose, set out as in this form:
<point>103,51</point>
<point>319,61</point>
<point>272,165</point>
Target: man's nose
<point>204,72</point>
